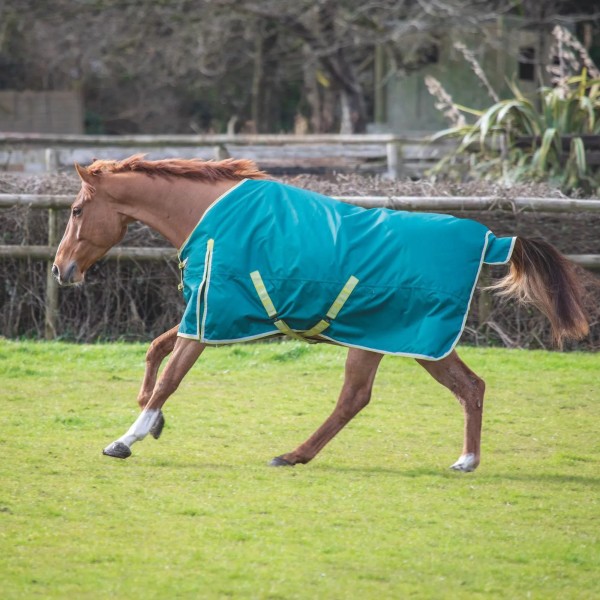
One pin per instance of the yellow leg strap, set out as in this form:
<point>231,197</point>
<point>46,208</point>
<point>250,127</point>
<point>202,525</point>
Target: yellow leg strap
<point>323,324</point>
<point>335,308</point>
<point>285,329</point>
<point>261,290</point>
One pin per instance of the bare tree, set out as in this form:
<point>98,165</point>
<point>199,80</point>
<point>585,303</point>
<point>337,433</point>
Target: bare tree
<point>181,65</point>
<point>141,66</point>
<point>339,39</point>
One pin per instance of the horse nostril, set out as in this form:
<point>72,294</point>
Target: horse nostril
<point>55,271</point>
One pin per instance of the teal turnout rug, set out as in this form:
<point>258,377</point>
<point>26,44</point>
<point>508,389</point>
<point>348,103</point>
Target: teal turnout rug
<point>269,258</point>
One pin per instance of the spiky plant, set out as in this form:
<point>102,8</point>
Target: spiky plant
<point>519,139</point>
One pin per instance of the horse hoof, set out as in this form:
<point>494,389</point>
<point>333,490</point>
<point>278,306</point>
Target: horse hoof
<point>157,428</point>
<point>466,463</point>
<point>279,461</point>
<point>117,450</point>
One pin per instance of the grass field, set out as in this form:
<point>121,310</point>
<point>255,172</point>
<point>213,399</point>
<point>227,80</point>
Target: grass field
<point>198,514</point>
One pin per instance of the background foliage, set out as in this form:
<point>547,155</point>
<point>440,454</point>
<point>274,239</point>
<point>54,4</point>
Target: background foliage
<point>176,66</point>
<point>541,138</point>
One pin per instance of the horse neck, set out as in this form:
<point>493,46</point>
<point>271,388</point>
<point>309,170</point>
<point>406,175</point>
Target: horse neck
<point>171,206</point>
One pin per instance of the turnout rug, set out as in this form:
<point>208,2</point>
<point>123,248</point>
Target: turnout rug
<point>267,258</point>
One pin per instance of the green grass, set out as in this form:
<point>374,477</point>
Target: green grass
<point>198,514</point>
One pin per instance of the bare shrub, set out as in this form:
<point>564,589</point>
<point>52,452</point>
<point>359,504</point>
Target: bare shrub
<point>136,301</point>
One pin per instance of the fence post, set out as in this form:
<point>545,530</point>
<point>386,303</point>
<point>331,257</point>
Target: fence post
<point>221,152</point>
<point>394,159</point>
<point>51,308</point>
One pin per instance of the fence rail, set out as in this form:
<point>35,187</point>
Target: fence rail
<point>402,155</point>
<point>119,253</point>
<point>45,140</point>
<point>54,203</point>
<point>479,203</point>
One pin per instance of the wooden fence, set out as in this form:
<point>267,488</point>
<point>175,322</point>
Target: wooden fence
<point>397,156</point>
<point>54,203</point>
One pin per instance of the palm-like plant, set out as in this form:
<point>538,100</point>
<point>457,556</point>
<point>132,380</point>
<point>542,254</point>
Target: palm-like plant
<point>541,139</point>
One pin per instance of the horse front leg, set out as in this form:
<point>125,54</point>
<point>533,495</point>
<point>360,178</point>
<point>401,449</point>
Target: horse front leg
<point>361,368</point>
<point>159,348</point>
<point>469,390</point>
<point>185,354</point>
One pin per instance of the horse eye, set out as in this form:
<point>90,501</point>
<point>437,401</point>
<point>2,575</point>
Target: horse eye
<point>77,211</point>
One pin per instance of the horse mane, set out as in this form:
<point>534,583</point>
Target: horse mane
<point>201,170</point>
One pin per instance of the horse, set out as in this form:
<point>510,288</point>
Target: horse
<point>179,197</point>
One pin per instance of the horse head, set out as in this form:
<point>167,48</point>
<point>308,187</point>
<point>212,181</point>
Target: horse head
<point>94,227</point>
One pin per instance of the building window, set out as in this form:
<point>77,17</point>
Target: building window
<point>527,63</point>
<point>432,54</point>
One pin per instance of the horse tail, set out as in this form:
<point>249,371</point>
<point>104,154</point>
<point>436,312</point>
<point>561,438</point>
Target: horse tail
<point>540,275</point>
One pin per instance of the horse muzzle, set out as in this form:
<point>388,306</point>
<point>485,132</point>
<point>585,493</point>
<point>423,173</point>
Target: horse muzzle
<point>70,276</point>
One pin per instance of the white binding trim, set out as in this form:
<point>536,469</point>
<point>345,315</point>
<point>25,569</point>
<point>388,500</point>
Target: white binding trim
<point>188,336</point>
<point>462,327</point>
<point>210,244</point>
<point>204,292</point>
<point>512,247</point>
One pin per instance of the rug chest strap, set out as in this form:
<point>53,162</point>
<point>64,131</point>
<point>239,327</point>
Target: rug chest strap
<point>323,324</point>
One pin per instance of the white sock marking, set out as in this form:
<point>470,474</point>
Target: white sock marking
<point>466,463</point>
<point>140,429</point>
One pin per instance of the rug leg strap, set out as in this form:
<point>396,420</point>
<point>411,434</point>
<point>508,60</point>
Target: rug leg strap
<point>261,290</point>
<point>287,330</point>
<point>334,309</point>
<point>323,324</point>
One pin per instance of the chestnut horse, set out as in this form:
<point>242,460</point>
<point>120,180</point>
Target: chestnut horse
<point>171,196</point>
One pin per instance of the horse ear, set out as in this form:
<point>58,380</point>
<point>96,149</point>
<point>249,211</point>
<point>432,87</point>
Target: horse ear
<point>83,173</point>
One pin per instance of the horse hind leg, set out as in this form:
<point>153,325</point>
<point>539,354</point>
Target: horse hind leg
<point>469,389</point>
<point>361,368</point>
